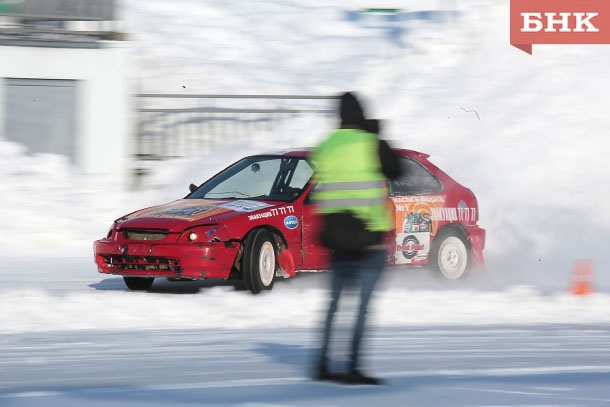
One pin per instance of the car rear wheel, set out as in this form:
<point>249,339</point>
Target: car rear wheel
<point>139,283</point>
<point>259,261</point>
<point>451,256</point>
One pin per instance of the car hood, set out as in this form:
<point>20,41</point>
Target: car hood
<point>178,215</point>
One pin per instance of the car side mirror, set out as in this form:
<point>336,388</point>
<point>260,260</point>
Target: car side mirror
<point>192,188</point>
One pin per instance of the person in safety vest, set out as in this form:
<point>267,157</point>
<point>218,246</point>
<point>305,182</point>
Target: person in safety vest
<point>352,166</point>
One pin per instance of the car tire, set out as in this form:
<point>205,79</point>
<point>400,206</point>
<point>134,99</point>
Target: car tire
<point>450,255</point>
<point>259,261</point>
<point>139,283</point>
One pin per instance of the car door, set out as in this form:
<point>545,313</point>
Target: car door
<point>315,256</point>
<point>415,195</point>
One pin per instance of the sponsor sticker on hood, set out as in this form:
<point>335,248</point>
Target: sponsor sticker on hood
<point>190,210</point>
<point>244,205</point>
<point>185,211</point>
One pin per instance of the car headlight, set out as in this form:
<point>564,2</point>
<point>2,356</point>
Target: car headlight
<point>201,234</point>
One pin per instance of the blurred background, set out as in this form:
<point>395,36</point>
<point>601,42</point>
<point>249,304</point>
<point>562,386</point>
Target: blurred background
<point>108,106</point>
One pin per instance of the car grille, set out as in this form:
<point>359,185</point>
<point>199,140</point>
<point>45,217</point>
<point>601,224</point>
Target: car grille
<point>142,263</point>
<point>144,234</point>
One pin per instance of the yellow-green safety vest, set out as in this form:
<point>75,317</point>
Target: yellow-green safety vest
<point>348,172</point>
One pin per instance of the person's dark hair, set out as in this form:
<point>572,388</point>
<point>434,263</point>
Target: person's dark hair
<point>350,111</point>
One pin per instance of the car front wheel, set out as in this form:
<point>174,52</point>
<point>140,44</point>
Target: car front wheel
<point>139,283</point>
<point>451,256</point>
<point>259,261</point>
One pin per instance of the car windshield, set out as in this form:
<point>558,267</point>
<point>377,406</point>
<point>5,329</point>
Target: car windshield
<point>269,178</point>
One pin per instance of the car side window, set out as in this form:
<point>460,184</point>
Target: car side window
<point>415,179</point>
<point>301,175</point>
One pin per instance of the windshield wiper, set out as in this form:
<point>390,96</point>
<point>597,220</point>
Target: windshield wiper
<point>228,192</point>
<point>260,197</point>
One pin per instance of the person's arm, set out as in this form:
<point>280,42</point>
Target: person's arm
<point>390,161</point>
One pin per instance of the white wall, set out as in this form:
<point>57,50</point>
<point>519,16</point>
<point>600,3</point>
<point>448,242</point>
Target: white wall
<point>103,128</point>
<point>2,103</point>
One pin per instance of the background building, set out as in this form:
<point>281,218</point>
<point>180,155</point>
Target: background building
<point>63,86</point>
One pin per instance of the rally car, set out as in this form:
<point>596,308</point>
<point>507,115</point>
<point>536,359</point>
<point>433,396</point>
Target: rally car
<point>256,221</point>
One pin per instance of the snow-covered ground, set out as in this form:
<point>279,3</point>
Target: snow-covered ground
<point>526,133</point>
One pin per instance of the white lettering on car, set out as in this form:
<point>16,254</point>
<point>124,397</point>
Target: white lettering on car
<point>422,198</point>
<point>272,212</point>
<point>454,214</point>
<point>444,214</point>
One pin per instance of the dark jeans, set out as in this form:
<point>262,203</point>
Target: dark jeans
<point>358,272</point>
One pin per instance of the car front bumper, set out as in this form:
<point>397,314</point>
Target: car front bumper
<point>192,261</point>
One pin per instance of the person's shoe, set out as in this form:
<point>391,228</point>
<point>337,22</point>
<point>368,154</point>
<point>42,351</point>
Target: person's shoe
<point>323,374</point>
<point>356,377</point>
<point>330,377</point>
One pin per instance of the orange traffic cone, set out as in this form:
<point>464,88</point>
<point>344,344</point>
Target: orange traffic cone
<point>582,277</point>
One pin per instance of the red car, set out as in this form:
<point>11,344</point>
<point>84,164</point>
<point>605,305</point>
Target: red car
<point>255,221</point>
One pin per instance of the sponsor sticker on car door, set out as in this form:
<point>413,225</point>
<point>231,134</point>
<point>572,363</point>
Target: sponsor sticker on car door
<point>414,225</point>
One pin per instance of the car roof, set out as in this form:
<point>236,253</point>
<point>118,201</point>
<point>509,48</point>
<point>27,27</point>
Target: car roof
<point>305,152</point>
